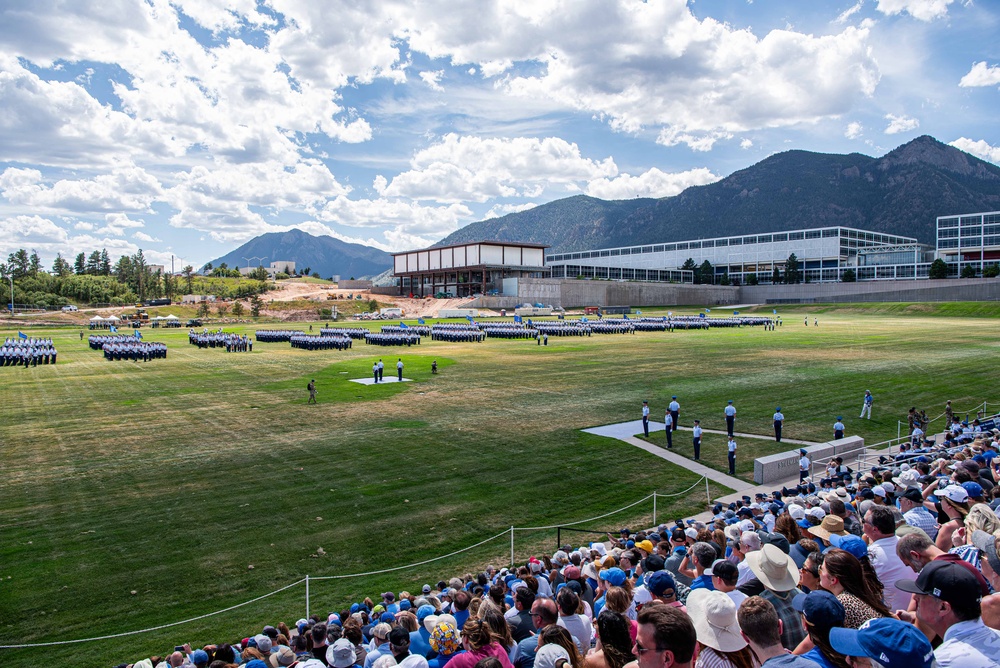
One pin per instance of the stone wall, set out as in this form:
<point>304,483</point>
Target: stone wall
<point>575,293</point>
<point>924,290</point>
<point>784,466</point>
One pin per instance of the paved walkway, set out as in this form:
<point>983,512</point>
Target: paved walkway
<point>625,431</point>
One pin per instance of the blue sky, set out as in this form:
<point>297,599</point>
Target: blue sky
<point>186,128</point>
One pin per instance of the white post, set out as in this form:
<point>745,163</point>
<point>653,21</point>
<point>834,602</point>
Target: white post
<point>654,509</point>
<point>708,494</point>
<point>307,597</point>
<point>512,545</point>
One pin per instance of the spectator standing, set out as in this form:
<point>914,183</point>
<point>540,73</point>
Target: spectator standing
<point>866,407</point>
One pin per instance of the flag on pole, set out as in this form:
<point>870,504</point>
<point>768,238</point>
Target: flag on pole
<point>421,321</point>
<point>638,312</point>
<point>21,335</point>
<point>708,310</point>
<point>701,315</point>
<point>774,311</point>
<point>625,315</point>
<point>138,334</point>
<point>402,325</point>
<point>518,318</point>
<point>736,312</point>
<point>114,329</point>
<point>583,319</point>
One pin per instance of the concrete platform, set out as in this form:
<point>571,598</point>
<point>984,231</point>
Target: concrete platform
<point>385,380</point>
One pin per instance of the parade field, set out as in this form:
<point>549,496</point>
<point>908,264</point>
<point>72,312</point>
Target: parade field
<point>137,494</point>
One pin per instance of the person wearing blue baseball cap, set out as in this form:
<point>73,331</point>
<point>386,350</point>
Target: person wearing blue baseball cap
<point>821,612</point>
<point>890,642</point>
<point>850,543</point>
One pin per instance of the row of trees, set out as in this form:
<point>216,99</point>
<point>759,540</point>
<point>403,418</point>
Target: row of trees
<point>704,274</point>
<point>93,279</point>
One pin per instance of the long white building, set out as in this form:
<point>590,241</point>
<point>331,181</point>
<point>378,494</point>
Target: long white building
<point>823,253</point>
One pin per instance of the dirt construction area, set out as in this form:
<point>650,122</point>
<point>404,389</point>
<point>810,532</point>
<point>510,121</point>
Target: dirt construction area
<point>412,308</point>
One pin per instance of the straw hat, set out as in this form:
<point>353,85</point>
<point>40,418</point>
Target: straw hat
<point>831,524</point>
<point>773,568</point>
<point>714,616</point>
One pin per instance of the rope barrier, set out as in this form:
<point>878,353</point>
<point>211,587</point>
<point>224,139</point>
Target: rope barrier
<point>591,519</point>
<point>340,577</point>
<point>153,628</point>
<point>419,563</point>
<point>665,496</point>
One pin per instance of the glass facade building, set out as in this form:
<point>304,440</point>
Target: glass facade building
<point>969,240</point>
<point>823,253</point>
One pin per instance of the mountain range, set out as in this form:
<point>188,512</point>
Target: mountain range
<point>902,193</point>
<point>324,255</point>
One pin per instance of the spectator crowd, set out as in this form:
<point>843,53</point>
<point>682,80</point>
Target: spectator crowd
<point>896,566</point>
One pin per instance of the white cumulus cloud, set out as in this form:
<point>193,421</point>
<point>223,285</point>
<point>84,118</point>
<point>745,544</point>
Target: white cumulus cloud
<point>922,10</point>
<point>981,75</point>
<point>899,124</point>
<point>652,183</point>
<point>854,130</point>
<point>433,79</point>
<point>979,148</point>
<point>461,168</point>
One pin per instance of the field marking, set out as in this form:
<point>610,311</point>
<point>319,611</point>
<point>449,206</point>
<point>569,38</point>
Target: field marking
<point>371,381</point>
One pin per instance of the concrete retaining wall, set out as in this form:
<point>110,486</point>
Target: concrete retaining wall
<point>354,285</point>
<point>924,290</point>
<point>574,293</point>
<point>785,465</point>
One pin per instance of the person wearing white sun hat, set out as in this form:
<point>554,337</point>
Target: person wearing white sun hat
<point>720,644</point>
<point>780,577</point>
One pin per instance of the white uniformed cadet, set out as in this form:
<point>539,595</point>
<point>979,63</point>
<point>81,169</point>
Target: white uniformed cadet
<point>696,439</point>
<point>730,418</point>
<point>731,449</point>
<point>399,369</point>
<point>779,420</point>
<point>675,410</point>
<point>668,423</point>
<point>838,428</point>
<point>804,465</point>
<point>645,418</point>
<point>866,407</point>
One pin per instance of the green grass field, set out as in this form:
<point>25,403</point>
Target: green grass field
<point>170,479</point>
